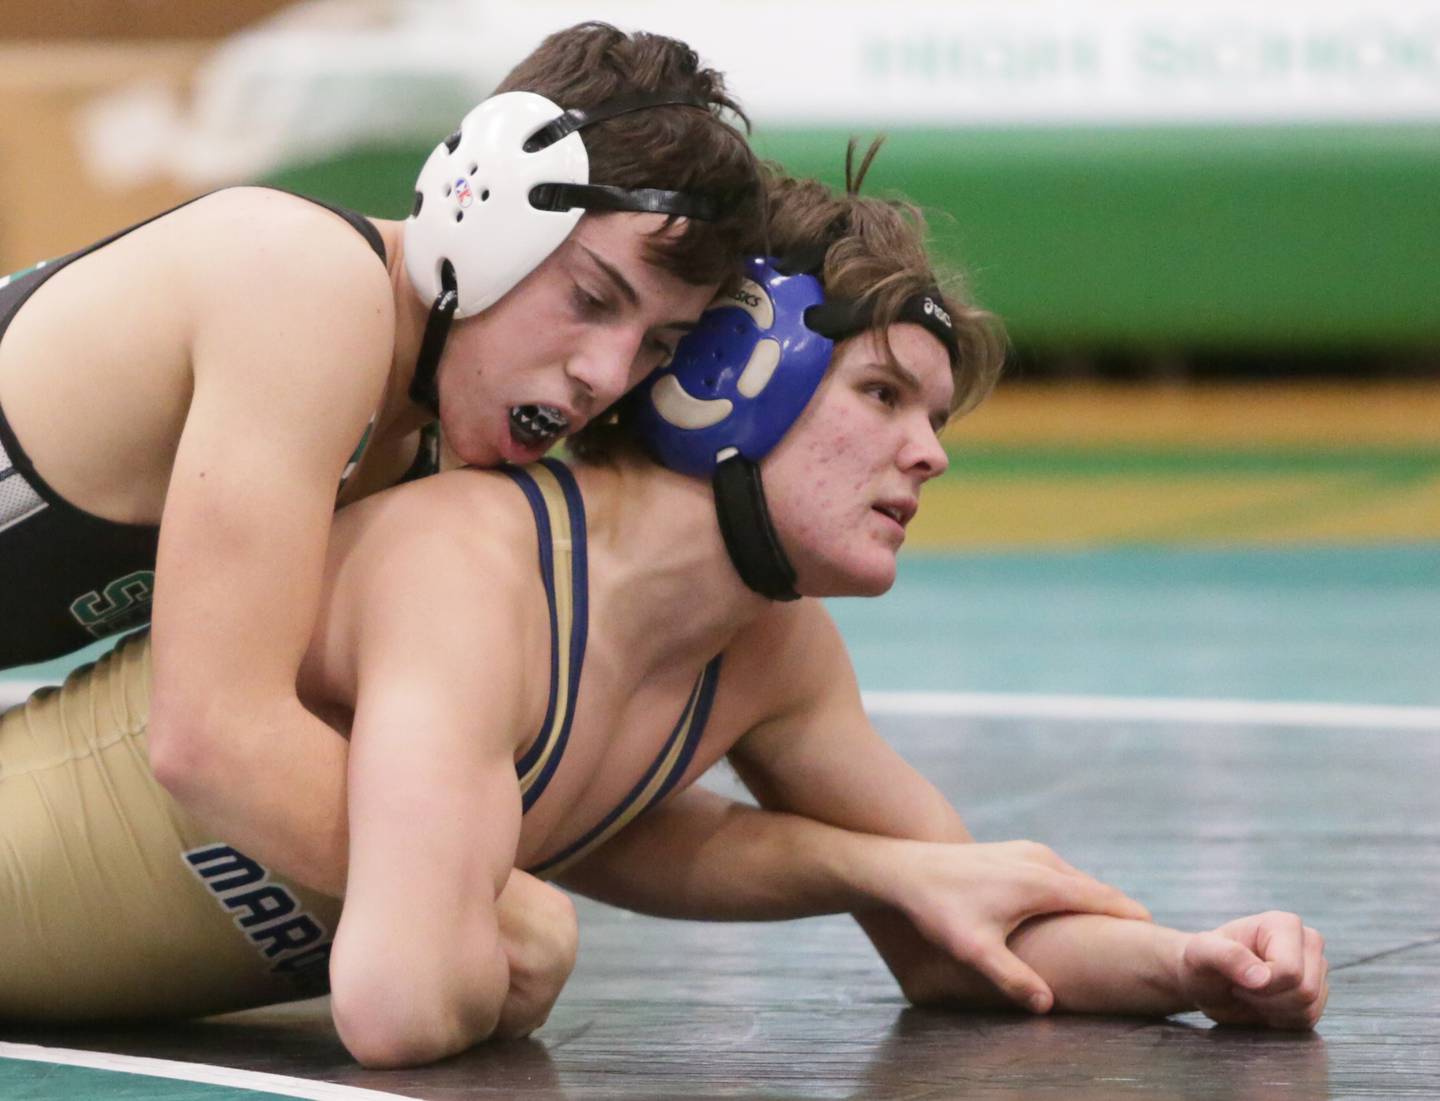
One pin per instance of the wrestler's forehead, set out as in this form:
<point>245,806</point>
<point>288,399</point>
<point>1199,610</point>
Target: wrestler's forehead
<point>919,361</point>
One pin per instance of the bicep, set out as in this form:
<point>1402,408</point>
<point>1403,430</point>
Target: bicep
<point>820,756</point>
<point>434,812</point>
<point>418,970</point>
<point>433,800</point>
<point>277,407</point>
<point>241,556</point>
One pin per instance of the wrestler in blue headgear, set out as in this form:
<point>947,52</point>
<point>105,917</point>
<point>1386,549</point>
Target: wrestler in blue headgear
<point>740,379</point>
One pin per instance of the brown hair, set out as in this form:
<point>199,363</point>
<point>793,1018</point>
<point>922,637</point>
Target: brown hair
<point>678,148</point>
<point>874,253</point>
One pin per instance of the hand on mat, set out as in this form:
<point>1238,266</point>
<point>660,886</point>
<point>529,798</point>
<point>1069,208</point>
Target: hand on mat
<point>968,898</point>
<point>1268,970</point>
<point>540,937</point>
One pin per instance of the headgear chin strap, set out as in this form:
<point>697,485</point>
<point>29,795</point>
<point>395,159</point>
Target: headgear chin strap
<point>750,537</point>
<point>500,194</point>
<point>423,389</point>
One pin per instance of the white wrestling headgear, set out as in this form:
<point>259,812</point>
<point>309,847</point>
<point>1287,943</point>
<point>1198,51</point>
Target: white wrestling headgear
<point>500,194</point>
<point>472,202</point>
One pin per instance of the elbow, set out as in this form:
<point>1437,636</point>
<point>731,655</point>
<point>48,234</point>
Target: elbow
<point>392,1021</point>
<point>378,1041</point>
<point>194,744</point>
<point>182,745</point>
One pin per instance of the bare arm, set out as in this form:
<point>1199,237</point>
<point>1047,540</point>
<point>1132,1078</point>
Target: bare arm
<point>419,970</point>
<point>290,348</point>
<point>848,827</point>
<point>827,762</point>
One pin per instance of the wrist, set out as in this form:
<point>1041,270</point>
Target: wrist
<point>864,869</point>
<point>1167,976</point>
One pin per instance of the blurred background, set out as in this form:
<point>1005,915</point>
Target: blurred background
<point>1213,232</point>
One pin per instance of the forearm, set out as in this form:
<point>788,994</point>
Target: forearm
<point>272,786</point>
<point>702,856</point>
<point>1097,964</point>
<point>917,964</point>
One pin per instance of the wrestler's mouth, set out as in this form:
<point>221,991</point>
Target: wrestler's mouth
<point>902,511</point>
<point>537,425</point>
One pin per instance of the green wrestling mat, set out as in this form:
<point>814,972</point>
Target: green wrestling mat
<point>1356,625</point>
<point>29,1072</point>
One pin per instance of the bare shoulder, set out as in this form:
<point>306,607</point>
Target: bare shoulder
<point>291,312</point>
<point>463,539</point>
<point>258,223</point>
<point>255,241</point>
<point>792,659</point>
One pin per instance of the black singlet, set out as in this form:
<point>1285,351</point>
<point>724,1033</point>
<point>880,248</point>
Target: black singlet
<point>67,576</point>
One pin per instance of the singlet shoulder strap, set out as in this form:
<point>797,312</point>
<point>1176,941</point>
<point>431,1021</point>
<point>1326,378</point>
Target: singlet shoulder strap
<point>559,512</point>
<point>361,224</point>
<point>659,780</point>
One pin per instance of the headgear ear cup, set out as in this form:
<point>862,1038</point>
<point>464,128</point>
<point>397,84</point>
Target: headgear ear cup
<point>740,378</point>
<point>735,385</point>
<point>473,205</point>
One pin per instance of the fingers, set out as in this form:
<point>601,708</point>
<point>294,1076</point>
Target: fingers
<point>1280,940</point>
<point>1084,894</point>
<point>1228,959</point>
<point>1299,1006</point>
<point>1013,977</point>
<point>987,953</point>
<point>1064,888</point>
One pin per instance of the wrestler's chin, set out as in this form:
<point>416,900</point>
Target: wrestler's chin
<point>857,574</point>
<point>876,583</point>
<point>482,442</point>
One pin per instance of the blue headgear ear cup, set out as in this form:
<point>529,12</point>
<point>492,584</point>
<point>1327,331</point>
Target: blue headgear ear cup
<point>734,387</point>
<point>740,378</point>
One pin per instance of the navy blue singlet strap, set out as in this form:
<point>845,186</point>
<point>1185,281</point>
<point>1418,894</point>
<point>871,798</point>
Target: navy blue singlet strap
<point>659,780</point>
<point>559,513</point>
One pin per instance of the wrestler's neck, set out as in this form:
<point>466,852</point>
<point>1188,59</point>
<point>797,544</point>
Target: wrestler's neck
<point>654,543</point>
<point>399,414</point>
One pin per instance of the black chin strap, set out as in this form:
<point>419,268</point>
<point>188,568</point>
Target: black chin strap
<point>423,388</point>
<point>749,535</point>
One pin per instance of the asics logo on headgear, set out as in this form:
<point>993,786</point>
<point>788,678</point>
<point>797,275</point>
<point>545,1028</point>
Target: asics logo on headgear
<point>745,297</point>
<point>934,309</point>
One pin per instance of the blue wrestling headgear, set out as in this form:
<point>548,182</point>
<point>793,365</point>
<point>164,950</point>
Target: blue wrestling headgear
<point>740,379</point>
<point>500,194</point>
<point>733,388</point>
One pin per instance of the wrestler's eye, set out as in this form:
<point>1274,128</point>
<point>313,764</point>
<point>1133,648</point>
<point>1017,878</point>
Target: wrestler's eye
<point>587,305</point>
<point>884,393</point>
